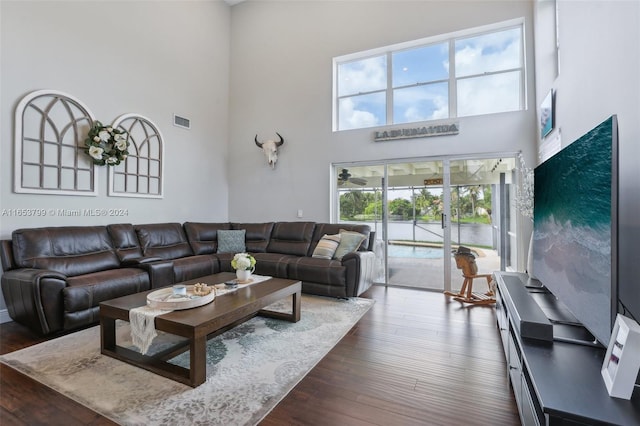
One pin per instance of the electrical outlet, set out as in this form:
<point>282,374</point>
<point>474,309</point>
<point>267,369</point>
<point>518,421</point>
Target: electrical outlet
<point>299,212</point>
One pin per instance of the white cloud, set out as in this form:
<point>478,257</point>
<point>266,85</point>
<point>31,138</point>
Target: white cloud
<point>362,76</point>
<point>489,94</point>
<point>352,118</point>
<point>421,103</point>
<point>490,52</point>
<point>442,110</point>
<point>413,114</point>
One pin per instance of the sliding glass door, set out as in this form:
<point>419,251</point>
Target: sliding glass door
<point>424,210</point>
<point>415,234</point>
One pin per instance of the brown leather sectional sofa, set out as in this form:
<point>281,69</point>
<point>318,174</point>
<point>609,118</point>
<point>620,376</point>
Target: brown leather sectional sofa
<point>55,278</point>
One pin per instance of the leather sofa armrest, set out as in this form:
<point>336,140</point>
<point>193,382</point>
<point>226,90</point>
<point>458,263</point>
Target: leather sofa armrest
<point>6,255</point>
<point>137,261</point>
<point>160,272</point>
<point>34,298</point>
<point>360,270</point>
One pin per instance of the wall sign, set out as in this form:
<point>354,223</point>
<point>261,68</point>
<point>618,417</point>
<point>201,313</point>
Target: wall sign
<point>417,132</point>
<point>434,181</point>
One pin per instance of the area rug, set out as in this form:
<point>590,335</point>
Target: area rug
<point>250,368</point>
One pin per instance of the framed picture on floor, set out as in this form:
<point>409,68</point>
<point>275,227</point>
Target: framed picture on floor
<point>622,360</point>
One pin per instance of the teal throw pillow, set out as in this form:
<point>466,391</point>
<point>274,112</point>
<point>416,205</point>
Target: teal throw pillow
<point>231,241</point>
<point>349,242</point>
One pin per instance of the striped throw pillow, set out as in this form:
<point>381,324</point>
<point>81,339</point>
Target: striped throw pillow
<point>326,246</point>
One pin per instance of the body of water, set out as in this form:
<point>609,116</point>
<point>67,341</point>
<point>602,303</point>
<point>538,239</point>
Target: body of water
<point>472,233</point>
<point>415,252</point>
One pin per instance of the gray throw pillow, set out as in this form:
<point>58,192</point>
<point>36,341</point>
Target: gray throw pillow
<point>349,242</point>
<point>231,241</point>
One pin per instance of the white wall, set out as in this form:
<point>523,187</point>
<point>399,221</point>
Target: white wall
<point>599,66</point>
<point>281,80</point>
<point>152,58</point>
<point>600,76</point>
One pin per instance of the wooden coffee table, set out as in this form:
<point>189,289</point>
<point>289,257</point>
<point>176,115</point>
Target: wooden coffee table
<point>197,324</point>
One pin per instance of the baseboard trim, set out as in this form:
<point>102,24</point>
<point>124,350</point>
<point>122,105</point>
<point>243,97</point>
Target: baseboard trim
<point>4,316</point>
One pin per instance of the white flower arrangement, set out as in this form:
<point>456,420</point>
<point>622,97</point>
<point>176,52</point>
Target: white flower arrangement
<point>106,145</point>
<point>243,262</point>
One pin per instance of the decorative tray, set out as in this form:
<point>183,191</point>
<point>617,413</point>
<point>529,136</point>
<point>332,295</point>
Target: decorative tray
<point>165,298</point>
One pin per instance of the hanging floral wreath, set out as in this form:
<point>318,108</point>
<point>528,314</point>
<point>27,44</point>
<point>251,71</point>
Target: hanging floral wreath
<point>106,145</point>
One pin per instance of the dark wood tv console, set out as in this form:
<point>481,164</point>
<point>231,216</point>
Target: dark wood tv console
<point>554,363</point>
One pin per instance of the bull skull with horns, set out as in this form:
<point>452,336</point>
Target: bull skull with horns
<point>270,149</point>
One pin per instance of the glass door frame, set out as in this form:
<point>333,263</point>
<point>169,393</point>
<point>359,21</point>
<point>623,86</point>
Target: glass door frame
<point>446,220</point>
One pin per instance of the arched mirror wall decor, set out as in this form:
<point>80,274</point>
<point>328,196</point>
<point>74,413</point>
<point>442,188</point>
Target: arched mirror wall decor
<point>50,128</point>
<point>141,174</point>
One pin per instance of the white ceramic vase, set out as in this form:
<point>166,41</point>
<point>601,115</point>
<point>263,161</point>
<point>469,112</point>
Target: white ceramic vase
<point>243,275</point>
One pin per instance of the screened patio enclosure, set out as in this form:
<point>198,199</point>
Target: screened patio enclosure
<point>423,210</point>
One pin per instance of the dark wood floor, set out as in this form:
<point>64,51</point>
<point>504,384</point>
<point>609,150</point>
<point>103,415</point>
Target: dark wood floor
<point>415,358</point>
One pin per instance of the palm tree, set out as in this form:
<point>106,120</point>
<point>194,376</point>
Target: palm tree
<point>474,191</point>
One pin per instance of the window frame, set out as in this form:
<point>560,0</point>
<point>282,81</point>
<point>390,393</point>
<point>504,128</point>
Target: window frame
<point>452,79</point>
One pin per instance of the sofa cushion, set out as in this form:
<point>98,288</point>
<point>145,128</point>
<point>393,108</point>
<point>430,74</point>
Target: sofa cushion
<point>70,250</point>
<point>190,267</point>
<point>87,291</point>
<point>273,264</point>
<point>125,241</point>
<point>231,241</point>
<point>163,240</point>
<point>291,238</point>
<point>323,271</point>
<point>203,237</point>
<point>257,235</point>
<point>327,246</point>
<point>224,261</point>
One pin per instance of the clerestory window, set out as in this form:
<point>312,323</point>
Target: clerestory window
<point>478,71</point>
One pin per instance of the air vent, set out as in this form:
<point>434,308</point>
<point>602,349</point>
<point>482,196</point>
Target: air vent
<point>185,123</point>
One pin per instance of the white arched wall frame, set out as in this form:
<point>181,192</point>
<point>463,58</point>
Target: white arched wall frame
<point>50,128</point>
<point>142,173</point>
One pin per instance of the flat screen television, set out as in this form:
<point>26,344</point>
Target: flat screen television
<point>575,227</point>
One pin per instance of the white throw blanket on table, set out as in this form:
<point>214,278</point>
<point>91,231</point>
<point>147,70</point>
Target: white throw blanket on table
<point>143,326</point>
<point>143,319</point>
